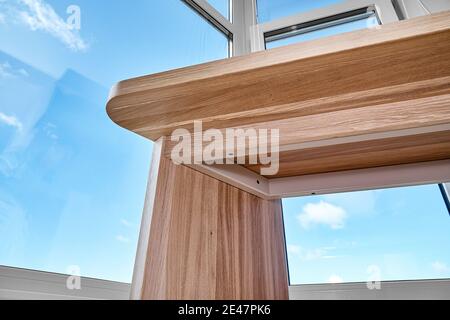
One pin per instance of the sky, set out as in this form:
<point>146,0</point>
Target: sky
<point>72,183</point>
<point>269,10</point>
<point>397,234</point>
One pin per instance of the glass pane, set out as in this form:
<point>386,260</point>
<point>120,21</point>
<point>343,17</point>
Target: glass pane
<point>394,234</point>
<point>269,10</point>
<point>223,6</point>
<point>323,32</point>
<point>72,183</point>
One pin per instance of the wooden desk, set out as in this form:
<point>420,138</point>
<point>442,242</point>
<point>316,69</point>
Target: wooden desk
<point>356,101</point>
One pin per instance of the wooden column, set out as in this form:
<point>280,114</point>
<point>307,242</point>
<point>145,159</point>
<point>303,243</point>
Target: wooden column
<point>207,240</point>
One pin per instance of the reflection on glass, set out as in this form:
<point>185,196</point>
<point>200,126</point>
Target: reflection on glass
<point>396,234</point>
<point>72,183</point>
<point>269,10</point>
<point>369,22</point>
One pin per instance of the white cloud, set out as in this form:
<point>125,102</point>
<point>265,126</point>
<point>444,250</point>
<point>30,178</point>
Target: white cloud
<point>293,249</point>
<point>322,213</point>
<point>357,203</point>
<point>313,254</point>
<point>11,121</point>
<point>335,279</point>
<point>39,15</point>
<point>122,238</point>
<point>126,223</point>
<point>2,18</point>
<point>310,254</point>
<point>49,130</point>
<point>440,267</point>
<point>7,71</point>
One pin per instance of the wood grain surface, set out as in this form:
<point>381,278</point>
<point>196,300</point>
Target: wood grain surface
<point>364,154</point>
<point>239,91</point>
<point>209,240</point>
<point>377,81</point>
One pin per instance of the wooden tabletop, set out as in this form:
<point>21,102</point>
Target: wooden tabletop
<point>367,98</point>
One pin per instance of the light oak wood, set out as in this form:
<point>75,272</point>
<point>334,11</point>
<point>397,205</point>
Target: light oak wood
<point>395,54</point>
<point>209,240</point>
<point>370,82</point>
<point>374,119</point>
<point>356,101</point>
<point>365,154</point>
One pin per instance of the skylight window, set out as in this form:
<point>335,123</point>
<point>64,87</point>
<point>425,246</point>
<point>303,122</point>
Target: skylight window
<point>392,234</point>
<point>347,22</point>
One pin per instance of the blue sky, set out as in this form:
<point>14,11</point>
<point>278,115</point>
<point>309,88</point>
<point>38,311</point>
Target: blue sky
<point>222,6</point>
<point>404,232</point>
<point>269,10</point>
<point>72,183</point>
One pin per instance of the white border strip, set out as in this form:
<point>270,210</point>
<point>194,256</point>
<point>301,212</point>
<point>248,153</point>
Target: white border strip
<point>146,221</point>
<point>433,172</point>
<point>237,176</point>
<point>390,290</point>
<point>363,179</point>
<point>22,284</point>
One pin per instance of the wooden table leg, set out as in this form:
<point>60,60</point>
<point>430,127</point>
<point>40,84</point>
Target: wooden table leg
<point>204,239</point>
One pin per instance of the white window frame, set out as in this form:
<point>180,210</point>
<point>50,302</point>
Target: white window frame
<point>216,19</point>
<point>447,188</point>
<point>416,8</point>
<point>23,284</point>
<point>389,290</point>
<point>242,14</point>
<point>246,35</point>
<point>384,10</point>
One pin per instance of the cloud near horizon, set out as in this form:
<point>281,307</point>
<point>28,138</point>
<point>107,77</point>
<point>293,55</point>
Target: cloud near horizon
<point>310,254</point>
<point>335,279</point>
<point>440,267</point>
